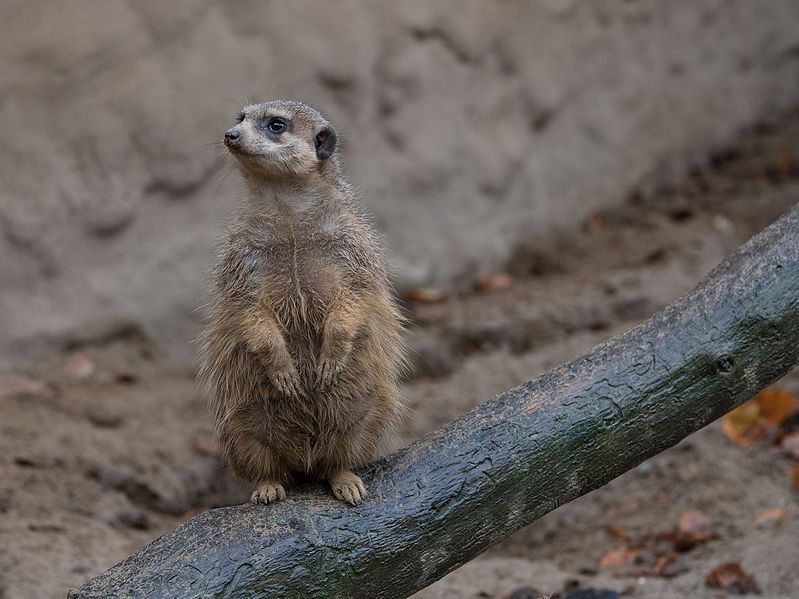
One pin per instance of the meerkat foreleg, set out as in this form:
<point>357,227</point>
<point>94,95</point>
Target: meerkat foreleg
<point>340,327</point>
<point>265,339</point>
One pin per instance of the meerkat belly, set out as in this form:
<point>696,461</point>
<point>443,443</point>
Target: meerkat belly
<point>300,293</point>
<point>305,432</point>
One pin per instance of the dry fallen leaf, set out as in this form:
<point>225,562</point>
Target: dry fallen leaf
<point>693,521</point>
<point>751,422</point>
<point>642,560</point>
<point>776,516</point>
<point>426,295</point>
<point>618,533</point>
<point>693,528</point>
<point>655,555</point>
<point>662,566</point>
<point>494,281</point>
<point>776,405</point>
<point>743,425</point>
<point>617,558</point>
<point>732,578</point>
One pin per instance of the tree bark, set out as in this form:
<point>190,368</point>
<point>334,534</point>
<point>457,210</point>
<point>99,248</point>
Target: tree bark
<point>446,498</point>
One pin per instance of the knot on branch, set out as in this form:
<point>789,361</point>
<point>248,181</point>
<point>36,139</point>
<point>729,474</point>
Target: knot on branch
<point>725,363</point>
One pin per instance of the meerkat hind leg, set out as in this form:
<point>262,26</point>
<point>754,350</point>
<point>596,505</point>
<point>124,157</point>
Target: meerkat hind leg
<point>347,486</point>
<point>268,491</point>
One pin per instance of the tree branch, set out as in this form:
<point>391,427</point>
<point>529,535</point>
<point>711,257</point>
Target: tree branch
<point>446,498</point>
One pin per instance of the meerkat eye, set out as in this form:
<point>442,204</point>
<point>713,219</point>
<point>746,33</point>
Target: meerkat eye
<point>239,117</point>
<point>276,125</point>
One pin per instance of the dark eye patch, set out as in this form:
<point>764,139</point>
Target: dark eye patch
<point>240,117</point>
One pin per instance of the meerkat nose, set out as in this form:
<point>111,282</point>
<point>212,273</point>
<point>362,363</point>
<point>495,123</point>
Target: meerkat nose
<point>232,136</point>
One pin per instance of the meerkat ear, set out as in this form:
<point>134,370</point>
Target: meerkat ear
<point>325,143</point>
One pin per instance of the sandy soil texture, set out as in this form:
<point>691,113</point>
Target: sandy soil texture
<point>103,448</point>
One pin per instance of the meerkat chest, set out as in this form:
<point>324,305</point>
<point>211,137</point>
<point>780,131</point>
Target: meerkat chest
<point>301,280</point>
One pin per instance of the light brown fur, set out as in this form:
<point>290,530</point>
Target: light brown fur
<point>304,349</point>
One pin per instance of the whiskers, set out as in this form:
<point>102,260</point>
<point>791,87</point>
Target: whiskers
<point>223,176</point>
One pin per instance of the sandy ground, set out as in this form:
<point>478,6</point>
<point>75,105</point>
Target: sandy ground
<point>103,448</point>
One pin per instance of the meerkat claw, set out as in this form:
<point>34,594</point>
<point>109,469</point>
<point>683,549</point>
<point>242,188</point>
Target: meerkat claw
<point>348,487</point>
<point>287,383</point>
<point>328,371</point>
<point>268,492</point>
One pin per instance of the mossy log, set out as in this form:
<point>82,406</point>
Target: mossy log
<point>448,497</point>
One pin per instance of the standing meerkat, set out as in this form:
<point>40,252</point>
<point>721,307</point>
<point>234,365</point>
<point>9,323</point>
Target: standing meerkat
<point>303,353</point>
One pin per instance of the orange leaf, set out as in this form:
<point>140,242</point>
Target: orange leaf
<point>426,295</point>
<point>750,422</point>
<point>622,556</point>
<point>492,281</point>
<point>732,578</point>
<point>775,405</point>
<point>663,563</point>
<point>776,516</point>
<point>618,533</point>
<point>693,529</point>
<point>693,521</point>
<point>743,425</point>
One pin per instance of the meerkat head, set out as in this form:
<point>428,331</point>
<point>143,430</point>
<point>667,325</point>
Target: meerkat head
<point>281,139</point>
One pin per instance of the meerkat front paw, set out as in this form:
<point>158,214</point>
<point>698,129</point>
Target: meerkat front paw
<point>327,372</point>
<point>268,492</point>
<point>347,486</point>
<point>287,382</point>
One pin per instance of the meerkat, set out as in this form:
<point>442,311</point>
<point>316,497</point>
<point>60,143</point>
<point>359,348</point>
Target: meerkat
<point>304,348</point>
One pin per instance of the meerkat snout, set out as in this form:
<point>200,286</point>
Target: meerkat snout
<point>232,136</point>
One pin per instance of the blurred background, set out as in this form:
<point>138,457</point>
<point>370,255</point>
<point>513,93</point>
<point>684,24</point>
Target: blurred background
<point>546,174</point>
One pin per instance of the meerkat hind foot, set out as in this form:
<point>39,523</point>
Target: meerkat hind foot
<point>347,486</point>
<point>268,491</point>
